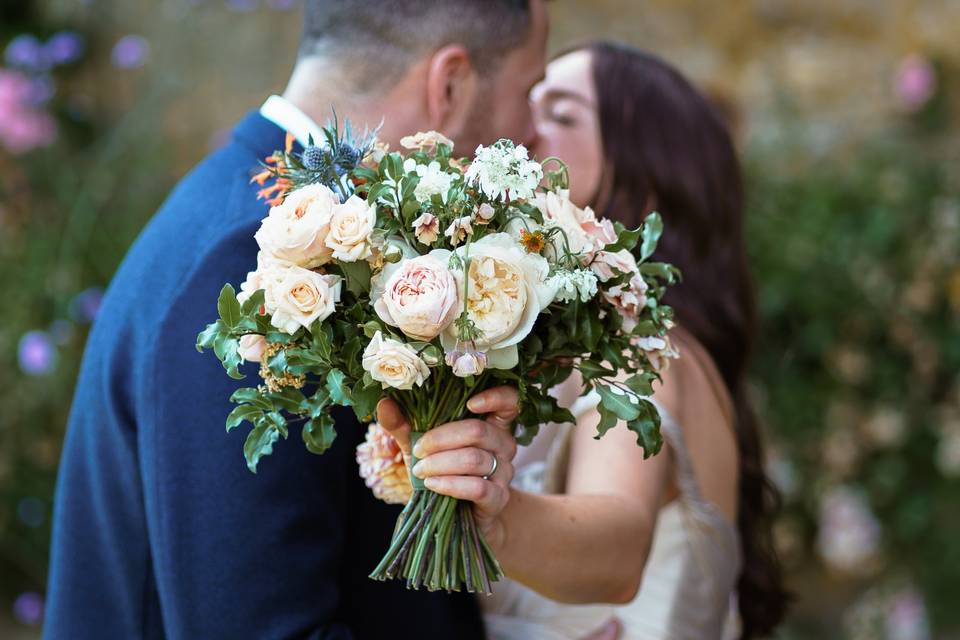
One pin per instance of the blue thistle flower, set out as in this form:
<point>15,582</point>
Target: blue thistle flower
<point>314,158</point>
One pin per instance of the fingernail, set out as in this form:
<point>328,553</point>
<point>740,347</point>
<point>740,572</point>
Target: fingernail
<point>430,483</point>
<point>417,469</point>
<point>476,403</point>
<point>418,450</point>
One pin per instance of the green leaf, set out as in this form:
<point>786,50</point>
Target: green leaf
<point>317,404</point>
<point>608,420</point>
<point>652,228</point>
<point>365,398</point>
<point>323,340</point>
<point>228,307</point>
<point>278,363</point>
<point>647,428</point>
<point>641,383</point>
<point>357,275</point>
<point>207,337</point>
<point>662,270</point>
<point>626,239</point>
<point>350,353</point>
<point>227,349</point>
<point>252,304</point>
<point>259,443</point>
<point>241,413</point>
<point>287,399</point>
<point>251,395</point>
<point>590,370</point>
<point>525,433</point>
<point>339,393</point>
<point>279,423</point>
<point>618,402</point>
<point>319,433</point>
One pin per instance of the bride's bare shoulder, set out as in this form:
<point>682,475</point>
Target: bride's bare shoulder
<point>692,383</point>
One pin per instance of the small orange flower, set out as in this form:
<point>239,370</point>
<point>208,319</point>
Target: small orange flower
<point>262,177</point>
<point>533,242</point>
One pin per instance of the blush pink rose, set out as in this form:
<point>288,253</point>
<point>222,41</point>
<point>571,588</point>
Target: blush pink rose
<point>629,299</point>
<point>252,346</point>
<point>420,298</point>
<point>607,265</point>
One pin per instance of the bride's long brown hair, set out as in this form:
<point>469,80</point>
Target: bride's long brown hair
<point>667,147</point>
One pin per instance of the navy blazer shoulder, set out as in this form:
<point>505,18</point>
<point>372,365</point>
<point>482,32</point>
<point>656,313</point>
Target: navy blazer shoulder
<point>160,531</point>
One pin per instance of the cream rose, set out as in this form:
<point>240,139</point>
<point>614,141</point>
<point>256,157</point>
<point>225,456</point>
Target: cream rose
<point>393,363</point>
<point>507,290</point>
<point>296,230</point>
<point>425,141</point>
<point>297,297</point>
<point>351,225</point>
<point>420,298</point>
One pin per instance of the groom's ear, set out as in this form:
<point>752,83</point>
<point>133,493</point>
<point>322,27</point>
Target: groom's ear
<point>452,85</point>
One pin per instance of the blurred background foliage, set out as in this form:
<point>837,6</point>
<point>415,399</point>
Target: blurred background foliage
<point>846,113</point>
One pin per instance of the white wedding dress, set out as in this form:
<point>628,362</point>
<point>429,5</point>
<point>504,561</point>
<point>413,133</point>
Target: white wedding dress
<point>688,586</point>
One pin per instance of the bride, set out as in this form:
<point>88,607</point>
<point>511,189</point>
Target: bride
<point>598,542</point>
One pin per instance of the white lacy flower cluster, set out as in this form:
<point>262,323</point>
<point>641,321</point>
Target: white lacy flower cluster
<point>504,171</point>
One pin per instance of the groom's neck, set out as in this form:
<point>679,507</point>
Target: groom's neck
<point>318,89</point>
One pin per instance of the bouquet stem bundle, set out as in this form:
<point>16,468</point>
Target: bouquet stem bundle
<point>437,543</point>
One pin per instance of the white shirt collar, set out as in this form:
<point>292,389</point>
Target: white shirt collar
<point>291,119</point>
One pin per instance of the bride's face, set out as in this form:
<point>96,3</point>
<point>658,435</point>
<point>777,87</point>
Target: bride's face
<point>565,115</point>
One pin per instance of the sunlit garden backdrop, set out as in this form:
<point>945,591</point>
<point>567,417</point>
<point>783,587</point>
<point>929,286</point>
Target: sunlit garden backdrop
<point>847,115</point>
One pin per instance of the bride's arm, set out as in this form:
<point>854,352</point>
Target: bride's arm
<point>590,544</point>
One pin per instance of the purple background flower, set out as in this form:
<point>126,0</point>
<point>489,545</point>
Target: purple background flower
<point>242,6</point>
<point>26,52</point>
<point>915,82</point>
<point>84,307</point>
<point>130,52</point>
<point>37,354</point>
<point>64,47</point>
<point>28,608</point>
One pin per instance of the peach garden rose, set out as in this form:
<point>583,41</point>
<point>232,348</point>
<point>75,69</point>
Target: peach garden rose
<point>420,298</point>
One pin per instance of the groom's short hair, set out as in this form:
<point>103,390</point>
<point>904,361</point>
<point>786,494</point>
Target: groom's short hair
<point>381,39</point>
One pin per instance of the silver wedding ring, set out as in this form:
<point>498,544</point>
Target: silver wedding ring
<point>493,469</point>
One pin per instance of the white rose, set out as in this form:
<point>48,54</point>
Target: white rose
<point>297,297</point>
<point>296,229</point>
<point>350,227</point>
<point>508,288</point>
<point>420,298</point>
<point>393,363</point>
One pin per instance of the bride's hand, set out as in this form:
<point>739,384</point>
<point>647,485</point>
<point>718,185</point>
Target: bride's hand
<point>456,459</point>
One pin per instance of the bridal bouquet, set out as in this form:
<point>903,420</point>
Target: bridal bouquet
<point>429,278</point>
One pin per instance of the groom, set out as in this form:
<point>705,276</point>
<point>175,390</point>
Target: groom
<point>160,531</point>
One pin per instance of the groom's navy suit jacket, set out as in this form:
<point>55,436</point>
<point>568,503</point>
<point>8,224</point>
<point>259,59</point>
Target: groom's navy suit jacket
<point>160,530</point>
